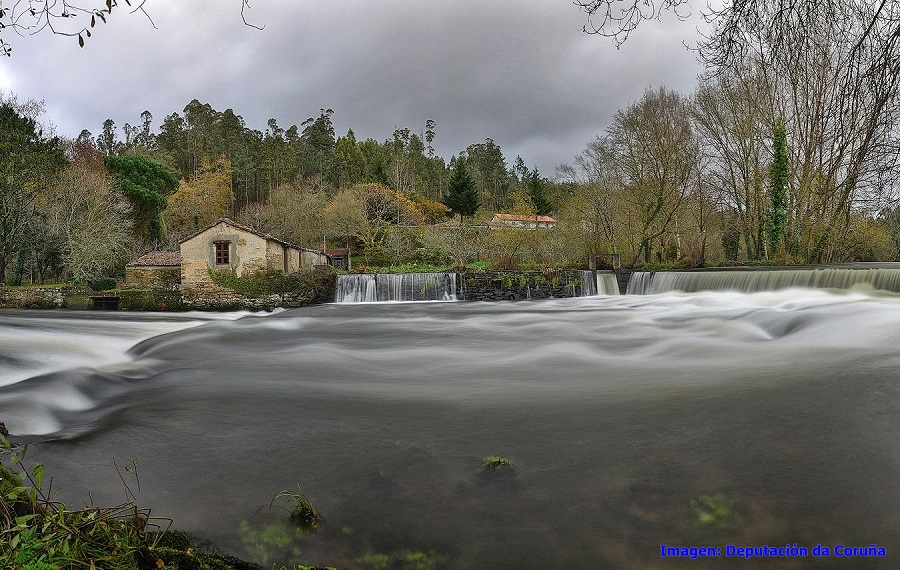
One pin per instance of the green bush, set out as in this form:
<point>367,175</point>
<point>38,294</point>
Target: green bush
<point>103,284</point>
<point>314,284</point>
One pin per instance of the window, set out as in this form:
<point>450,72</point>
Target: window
<point>222,252</point>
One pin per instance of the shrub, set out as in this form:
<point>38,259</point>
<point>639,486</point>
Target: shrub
<point>103,284</point>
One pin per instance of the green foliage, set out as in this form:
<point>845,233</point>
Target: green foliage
<point>146,183</point>
<point>404,559</point>
<point>462,193</point>
<point>272,541</point>
<point>299,507</point>
<point>313,284</point>
<point>779,176</point>
<point>103,284</point>
<point>537,195</point>
<point>44,533</point>
<point>496,463</point>
<point>714,512</point>
<point>28,162</point>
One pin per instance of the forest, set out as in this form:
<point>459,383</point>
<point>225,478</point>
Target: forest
<point>779,156</point>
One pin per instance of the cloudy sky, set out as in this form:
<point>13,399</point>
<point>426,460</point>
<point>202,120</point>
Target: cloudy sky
<point>521,73</point>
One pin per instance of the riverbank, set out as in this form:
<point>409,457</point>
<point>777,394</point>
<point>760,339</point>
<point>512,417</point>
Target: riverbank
<point>44,533</point>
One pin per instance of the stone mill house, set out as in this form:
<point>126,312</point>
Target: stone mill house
<point>224,245</point>
<point>229,246</point>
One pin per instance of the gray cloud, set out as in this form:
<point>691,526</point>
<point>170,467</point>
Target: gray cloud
<point>520,73</point>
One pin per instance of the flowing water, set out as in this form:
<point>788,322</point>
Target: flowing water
<point>885,277</point>
<point>703,419</point>
<point>381,287</point>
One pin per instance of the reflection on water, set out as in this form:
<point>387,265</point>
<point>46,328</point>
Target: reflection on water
<point>680,419</point>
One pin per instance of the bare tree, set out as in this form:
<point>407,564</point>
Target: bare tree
<point>658,153</point>
<point>832,69</point>
<point>733,114</point>
<point>597,199</point>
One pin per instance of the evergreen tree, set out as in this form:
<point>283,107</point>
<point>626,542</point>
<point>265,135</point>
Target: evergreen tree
<point>779,174</point>
<point>537,196</point>
<point>462,193</point>
<point>146,183</point>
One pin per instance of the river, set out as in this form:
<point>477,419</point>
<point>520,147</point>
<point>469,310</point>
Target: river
<point>632,421</point>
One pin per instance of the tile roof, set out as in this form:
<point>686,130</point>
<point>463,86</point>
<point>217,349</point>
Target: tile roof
<point>234,224</point>
<point>524,218</point>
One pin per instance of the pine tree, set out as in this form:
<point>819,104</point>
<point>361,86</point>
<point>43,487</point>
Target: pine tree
<point>462,193</point>
<point>537,198</point>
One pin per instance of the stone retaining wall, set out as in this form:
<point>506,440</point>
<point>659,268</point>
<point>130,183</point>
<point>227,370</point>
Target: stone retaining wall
<point>520,285</point>
<point>44,297</point>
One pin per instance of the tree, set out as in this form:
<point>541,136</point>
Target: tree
<point>779,175</point>
<point>203,200</point>
<point>68,18</point>
<point>487,167</point>
<point>733,114</point>
<point>829,68</point>
<point>658,152</point>
<point>146,183</point>
<point>293,212</point>
<point>319,142</point>
<point>597,202</point>
<point>28,163</point>
<point>107,141</point>
<point>617,18</point>
<point>537,198</point>
<point>367,212</point>
<point>462,194</point>
<point>86,222</point>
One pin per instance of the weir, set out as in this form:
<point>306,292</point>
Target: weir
<point>748,279</point>
<point>606,283</point>
<point>479,286</point>
<point>382,287</point>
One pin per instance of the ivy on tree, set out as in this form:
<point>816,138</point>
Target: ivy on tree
<point>462,193</point>
<point>779,174</point>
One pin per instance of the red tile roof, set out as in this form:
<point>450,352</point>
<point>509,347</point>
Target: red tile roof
<point>524,218</point>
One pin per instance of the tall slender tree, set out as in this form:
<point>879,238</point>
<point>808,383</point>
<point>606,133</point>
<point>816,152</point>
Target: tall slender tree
<point>778,184</point>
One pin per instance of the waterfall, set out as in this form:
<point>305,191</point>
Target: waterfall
<point>748,280</point>
<point>606,283</point>
<point>592,283</point>
<point>639,283</point>
<point>364,288</point>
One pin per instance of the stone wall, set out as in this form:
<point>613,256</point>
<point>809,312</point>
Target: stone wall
<point>146,277</point>
<point>44,297</point>
<point>520,285</point>
<point>222,299</point>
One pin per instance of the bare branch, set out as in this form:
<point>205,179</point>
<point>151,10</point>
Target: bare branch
<point>245,5</point>
<point>616,19</point>
<point>65,18</point>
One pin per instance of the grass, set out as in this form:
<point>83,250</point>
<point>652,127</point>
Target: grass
<point>299,507</point>
<point>496,463</point>
<point>44,534</point>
